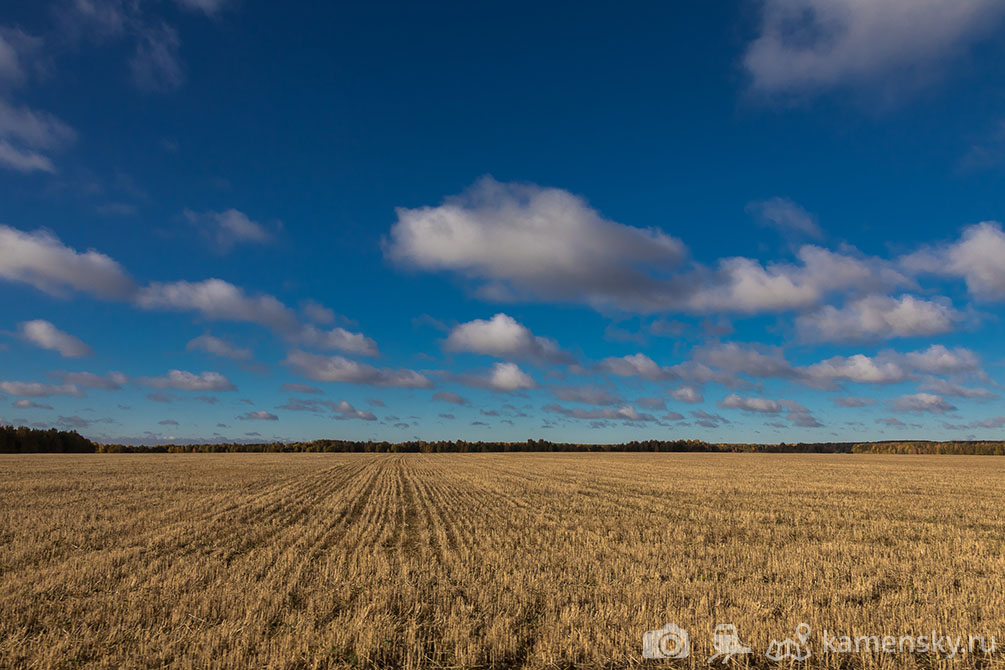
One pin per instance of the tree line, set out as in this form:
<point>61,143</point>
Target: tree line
<point>24,440</point>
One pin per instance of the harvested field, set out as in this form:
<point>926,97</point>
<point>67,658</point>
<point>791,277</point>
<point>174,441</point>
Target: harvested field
<point>490,560</point>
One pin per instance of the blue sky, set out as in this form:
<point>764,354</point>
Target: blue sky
<point>764,220</point>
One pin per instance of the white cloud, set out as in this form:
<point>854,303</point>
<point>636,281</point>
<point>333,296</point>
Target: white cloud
<point>976,257</point>
<point>228,228</point>
<point>524,241</point>
<point>29,404</point>
<point>799,415</point>
<point>218,347</point>
<point>338,339</point>
<point>939,360</point>
<point>38,389</point>
<point>858,368</point>
<point>813,45</point>
<point>636,365</point>
<point>43,334</point>
<point>889,367</point>
<point>944,388</point>
<point>218,300</point>
<point>504,337</point>
<point>258,415</point>
<point>762,405</point>
<point>509,377</point>
<point>27,137</point>
<point>878,317</point>
<point>744,285</point>
<point>344,411</point>
<point>624,413</point>
<point>17,50</point>
<point>760,361</point>
<point>113,381</point>
<point>921,403</point>
<point>41,260</point>
<point>340,369</point>
<point>786,216</point>
<point>187,381</point>
<point>317,312</point>
<point>687,394</point>
<point>528,241</point>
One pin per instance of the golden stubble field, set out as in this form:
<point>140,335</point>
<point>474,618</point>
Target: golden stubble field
<point>490,560</point>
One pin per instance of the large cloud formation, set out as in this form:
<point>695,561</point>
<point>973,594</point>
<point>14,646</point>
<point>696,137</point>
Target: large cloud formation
<point>523,240</point>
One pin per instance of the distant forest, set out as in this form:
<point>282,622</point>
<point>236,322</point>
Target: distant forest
<point>25,440</point>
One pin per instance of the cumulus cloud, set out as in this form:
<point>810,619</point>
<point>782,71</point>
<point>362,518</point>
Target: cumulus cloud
<point>38,389</point>
<point>451,397</point>
<point>922,403</point>
<point>858,368</point>
<point>762,405</point>
<point>503,336</point>
<point>228,228</point>
<point>799,415</point>
<point>529,241</point>
<point>338,339</point>
<point>805,46</point>
<point>786,216</point>
<point>891,421</point>
<point>44,335</point>
<point>879,317</point>
<point>523,241</point>
<point>258,415</point>
<point>753,360</point>
<point>709,420</point>
<point>636,365</point>
<point>341,409</point>
<point>181,380</point>
<point>746,286</point>
<point>889,367</point>
<point>113,381</point>
<point>623,413</point>
<point>41,260</point>
<point>218,347</point>
<point>29,404</point>
<point>218,300</point>
<point>948,388</point>
<point>340,369</point>
<point>509,377</point>
<point>687,394</point>
<point>939,360</point>
<point>975,257</point>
